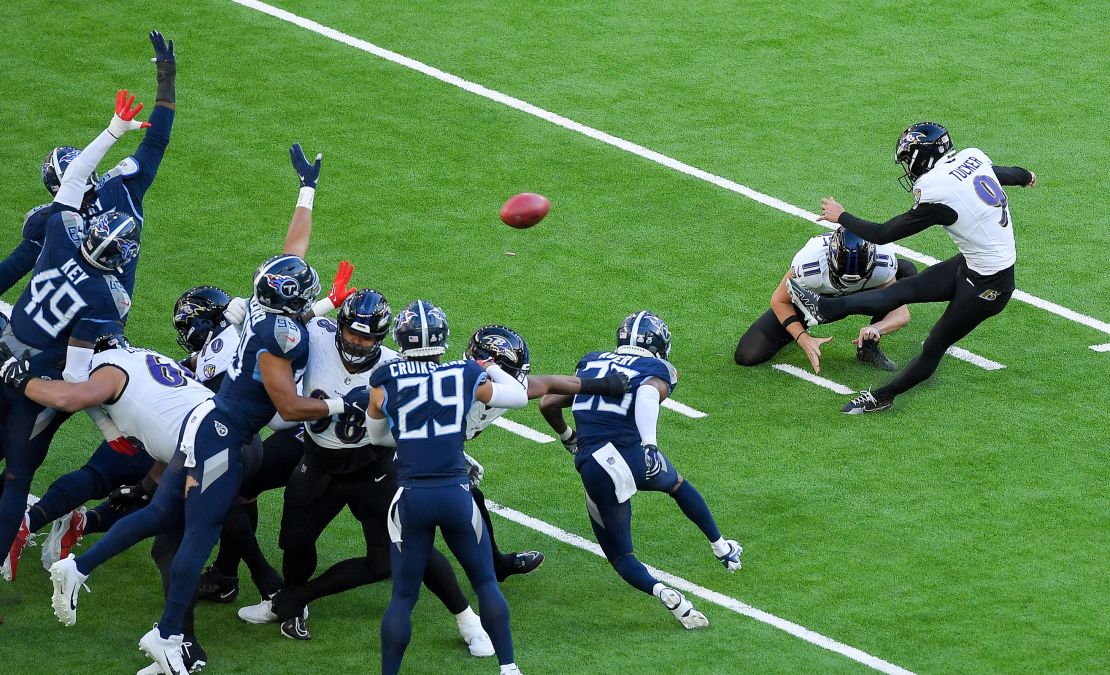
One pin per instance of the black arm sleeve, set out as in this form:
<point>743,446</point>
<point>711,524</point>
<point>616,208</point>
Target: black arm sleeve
<point>1013,175</point>
<point>901,226</point>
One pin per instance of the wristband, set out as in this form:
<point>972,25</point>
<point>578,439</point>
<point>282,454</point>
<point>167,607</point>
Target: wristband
<point>322,307</point>
<point>336,406</point>
<point>793,318</point>
<point>304,200</point>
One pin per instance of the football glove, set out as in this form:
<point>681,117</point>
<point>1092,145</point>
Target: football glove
<point>128,497</point>
<point>355,404</point>
<point>571,444</point>
<point>124,119</point>
<point>15,370</point>
<point>309,173</point>
<point>474,471</point>
<point>163,53</point>
<point>613,385</point>
<point>236,312</point>
<point>652,460</point>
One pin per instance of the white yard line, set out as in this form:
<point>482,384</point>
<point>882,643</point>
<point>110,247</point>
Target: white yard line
<point>627,146</point>
<point>974,359</point>
<point>704,593</point>
<point>1101,348</point>
<point>522,430</point>
<point>682,408</point>
<point>815,379</point>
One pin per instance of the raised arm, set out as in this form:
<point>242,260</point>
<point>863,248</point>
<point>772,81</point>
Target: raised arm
<point>300,227</point>
<point>148,156</point>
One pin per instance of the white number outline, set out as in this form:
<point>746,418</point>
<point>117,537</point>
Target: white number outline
<point>438,396</point>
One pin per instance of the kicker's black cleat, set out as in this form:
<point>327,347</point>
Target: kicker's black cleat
<point>870,354</point>
<point>866,402</point>
<point>517,563</point>
<point>215,587</point>
<point>193,655</point>
<point>295,629</point>
<point>807,302</point>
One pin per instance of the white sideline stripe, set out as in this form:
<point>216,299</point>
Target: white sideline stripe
<point>981,361</point>
<point>682,408</point>
<point>1101,348</point>
<point>627,146</point>
<point>521,430</point>
<point>816,379</point>
<point>716,598</point>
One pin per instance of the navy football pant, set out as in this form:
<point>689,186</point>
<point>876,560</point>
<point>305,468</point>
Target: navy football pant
<point>612,520</point>
<point>419,511</point>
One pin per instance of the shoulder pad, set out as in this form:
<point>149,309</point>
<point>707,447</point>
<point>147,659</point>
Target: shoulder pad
<point>672,372</point>
<point>380,375</point>
<point>588,357</point>
<point>125,169</point>
<point>287,333</point>
<point>34,221</point>
<point>119,295</point>
<point>74,226</point>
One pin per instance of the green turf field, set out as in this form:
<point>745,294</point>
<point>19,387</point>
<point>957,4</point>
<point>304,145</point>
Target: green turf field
<point>967,530</point>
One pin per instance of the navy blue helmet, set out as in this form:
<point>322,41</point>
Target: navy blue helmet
<point>286,284</point>
<point>198,315</point>
<point>366,314</point>
<point>421,329</point>
<point>505,346</point>
<point>851,259</point>
<point>111,341</point>
<point>111,241</point>
<point>645,329</point>
<point>55,165</point>
<point>920,147</point>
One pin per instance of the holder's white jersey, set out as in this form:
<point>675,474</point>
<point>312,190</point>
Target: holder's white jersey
<point>327,377</point>
<point>965,182</point>
<point>811,268</point>
<point>157,398</point>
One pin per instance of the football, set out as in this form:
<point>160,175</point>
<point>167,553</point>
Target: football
<point>524,210</point>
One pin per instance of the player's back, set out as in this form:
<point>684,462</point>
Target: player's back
<point>426,405</point>
<point>156,399</point>
<point>965,182</point>
<point>599,419</point>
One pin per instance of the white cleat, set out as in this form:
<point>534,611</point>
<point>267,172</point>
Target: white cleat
<point>682,609</point>
<point>510,669</point>
<point>152,669</point>
<point>67,585</point>
<point>731,560</point>
<point>476,638</point>
<point>261,613</point>
<point>166,652</point>
<point>65,533</point>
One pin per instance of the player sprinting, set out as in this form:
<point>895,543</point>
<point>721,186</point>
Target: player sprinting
<point>420,405</point>
<point>961,191</point>
<point>617,454</point>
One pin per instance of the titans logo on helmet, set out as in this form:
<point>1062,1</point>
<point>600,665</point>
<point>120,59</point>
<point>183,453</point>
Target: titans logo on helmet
<point>285,285</point>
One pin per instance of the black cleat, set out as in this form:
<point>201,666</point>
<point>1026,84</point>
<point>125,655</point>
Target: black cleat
<point>870,354</point>
<point>866,403</point>
<point>193,655</point>
<point>215,587</point>
<point>518,563</point>
<point>295,629</point>
<point>807,302</point>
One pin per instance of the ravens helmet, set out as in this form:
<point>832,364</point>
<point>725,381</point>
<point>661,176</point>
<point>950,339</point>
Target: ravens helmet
<point>646,330</point>
<point>366,314</point>
<point>421,330</point>
<point>111,241</point>
<point>286,284</point>
<point>198,315</point>
<point>111,341</point>
<point>851,259</point>
<point>54,168</point>
<point>920,147</point>
<point>505,346</point>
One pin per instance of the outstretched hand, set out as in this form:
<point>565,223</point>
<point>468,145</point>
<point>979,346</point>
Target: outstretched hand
<point>309,173</point>
<point>830,210</point>
<point>124,119</point>
<point>339,289</point>
<point>812,347</point>
<point>163,53</point>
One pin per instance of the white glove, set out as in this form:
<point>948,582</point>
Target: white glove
<point>474,471</point>
<point>236,312</point>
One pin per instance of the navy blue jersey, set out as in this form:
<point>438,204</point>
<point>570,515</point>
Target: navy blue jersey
<point>242,393</point>
<point>426,405</point>
<point>22,259</point>
<point>600,419</point>
<point>67,297</point>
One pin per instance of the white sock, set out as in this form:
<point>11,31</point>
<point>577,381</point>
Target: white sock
<point>566,434</point>
<point>467,617</point>
<point>657,589</point>
<point>720,547</point>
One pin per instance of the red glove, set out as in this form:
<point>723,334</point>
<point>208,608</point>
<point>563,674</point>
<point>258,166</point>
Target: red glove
<point>339,290</point>
<point>124,119</point>
<point>126,446</point>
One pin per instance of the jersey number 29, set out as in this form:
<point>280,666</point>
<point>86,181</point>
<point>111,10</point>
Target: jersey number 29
<point>405,429</point>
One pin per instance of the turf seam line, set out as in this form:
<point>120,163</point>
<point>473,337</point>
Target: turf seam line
<point>627,146</point>
<point>704,593</point>
<point>815,379</point>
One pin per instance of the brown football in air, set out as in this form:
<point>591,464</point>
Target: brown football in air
<point>524,210</point>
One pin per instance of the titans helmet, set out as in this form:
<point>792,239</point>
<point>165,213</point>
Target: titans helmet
<point>198,315</point>
<point>920,147</point>
<point>286,284</point>
<point>111,241</point>
<point>111,341</point>
<point>851,259</point>
<point>646,330</point>
<point>421,329</point>
<point>505,346</point>
<point>55,165</point>
<point>367,315</point>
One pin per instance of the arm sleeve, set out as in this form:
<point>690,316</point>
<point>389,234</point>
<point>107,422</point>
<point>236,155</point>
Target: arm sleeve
<point>78,360</point>
<point>378,433</point>
<point>104,423</point>
<point>72,192</point>
<point>149,153</point>
<point>18,263</point>
<point>647,413</point>
<point>1013,175</point>
<point>901,226</point>
<point>506,395</point>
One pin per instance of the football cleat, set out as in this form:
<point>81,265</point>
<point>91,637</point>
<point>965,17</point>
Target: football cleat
<point>518,563</point>
<point>870,354</point>
<point>22,538</point>
<point>215,587</point>
<point>65,534</point>
<point>193,655</point>
<point>866,403</point>
<point>682,609</point>
<point>295,629</point>
<point>807,302</point>
<point>261,613</point>
<point>731,560</point>
<point>67,585</point>
<point>510,669</point>
<point>475,636</point>
<point>166,652</point>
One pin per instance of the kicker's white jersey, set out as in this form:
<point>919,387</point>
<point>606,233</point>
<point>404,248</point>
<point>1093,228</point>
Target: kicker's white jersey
<point>327,377</point>
<point>157,398</point>
<point>811,268</point>
<point>216,357</point>
<point>479,417</point>
<point>965,182</point>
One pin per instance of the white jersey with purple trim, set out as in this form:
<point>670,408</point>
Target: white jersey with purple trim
<point>327,377</point>
<point>965,182</point>
<point>158,396</point>
<point>481,416</point>
<point>811,268</point>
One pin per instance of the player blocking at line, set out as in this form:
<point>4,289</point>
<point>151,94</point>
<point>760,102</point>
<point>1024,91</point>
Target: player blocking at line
<point>962,191</point>
<point>617,454</point>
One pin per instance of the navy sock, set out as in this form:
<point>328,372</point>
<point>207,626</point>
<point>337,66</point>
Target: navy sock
<point>695,508</point>
<point>632,571</point>
<point>495,619</point>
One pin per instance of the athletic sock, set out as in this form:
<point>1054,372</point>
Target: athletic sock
<point>720,547</point>
<point>694,507</point>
